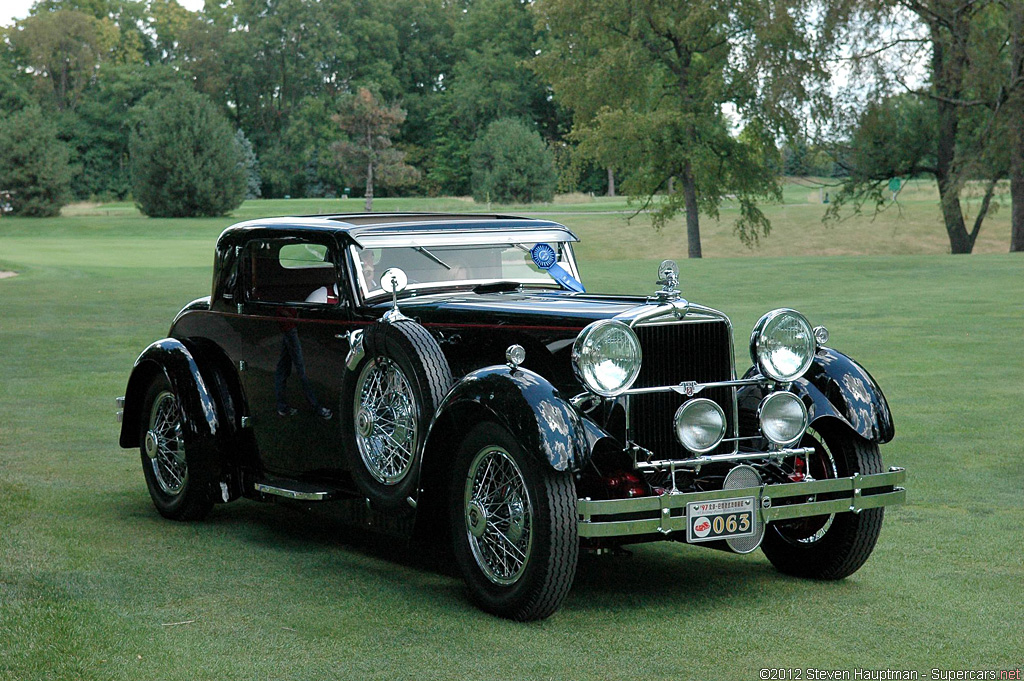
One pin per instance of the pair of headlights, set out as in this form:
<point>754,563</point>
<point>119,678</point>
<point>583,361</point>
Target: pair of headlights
<point>607,355</point>
<point>700,423</point>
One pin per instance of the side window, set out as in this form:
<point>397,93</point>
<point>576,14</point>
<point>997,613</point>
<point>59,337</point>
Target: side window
<point>290,271</point>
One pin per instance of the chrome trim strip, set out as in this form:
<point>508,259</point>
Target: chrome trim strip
<point>689,388</point>
<point>291,493</point>
<point>718,458</point>
<point>669,510</point>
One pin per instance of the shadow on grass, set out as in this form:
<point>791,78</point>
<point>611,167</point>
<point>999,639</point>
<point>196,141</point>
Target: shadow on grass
<point>660,574</point>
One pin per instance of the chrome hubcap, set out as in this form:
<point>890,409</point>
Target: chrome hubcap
<point>385,417</point>
<point>476,519</point>
<point>499,516</point>
<point>165,446</point>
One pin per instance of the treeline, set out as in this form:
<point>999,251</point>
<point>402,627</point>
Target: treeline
<point>693,103</point>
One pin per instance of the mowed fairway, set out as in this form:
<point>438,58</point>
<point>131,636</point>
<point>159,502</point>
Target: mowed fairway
<point>95,585</point>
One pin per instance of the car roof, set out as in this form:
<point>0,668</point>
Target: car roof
<point>362,227</point>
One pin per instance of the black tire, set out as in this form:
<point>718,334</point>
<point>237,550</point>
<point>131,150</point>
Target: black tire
<point>541,528</point>
<point>178,481</point>
<point>829,547</point>
<point>384,428</point>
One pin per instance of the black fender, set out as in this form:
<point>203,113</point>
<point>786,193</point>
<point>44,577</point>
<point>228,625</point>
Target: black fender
<point>525,404</point>
<point>834,387</point>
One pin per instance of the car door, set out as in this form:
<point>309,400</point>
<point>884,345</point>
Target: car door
<point>293,323</point>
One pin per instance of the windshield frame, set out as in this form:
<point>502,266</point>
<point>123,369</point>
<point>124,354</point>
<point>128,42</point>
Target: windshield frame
<point>562,243</point>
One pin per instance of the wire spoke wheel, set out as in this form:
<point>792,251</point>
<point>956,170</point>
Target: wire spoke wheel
<point>830,546</point>
<point>822,466</point>
<point>385,414</point>
<point>499,516</point>
<point>165,445</point>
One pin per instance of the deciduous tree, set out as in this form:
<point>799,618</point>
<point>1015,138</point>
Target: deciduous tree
<point>647,81</point>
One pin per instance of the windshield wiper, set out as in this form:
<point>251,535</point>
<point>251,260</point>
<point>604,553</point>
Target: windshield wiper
<point>442,263</point>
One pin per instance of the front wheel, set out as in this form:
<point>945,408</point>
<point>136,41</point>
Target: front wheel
<point>833,546</point>
<point>513,522</point>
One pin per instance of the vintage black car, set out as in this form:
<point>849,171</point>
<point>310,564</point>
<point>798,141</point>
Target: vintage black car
<point>449,375</point>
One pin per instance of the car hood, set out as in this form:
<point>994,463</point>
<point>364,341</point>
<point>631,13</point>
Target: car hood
<point>550,309</point>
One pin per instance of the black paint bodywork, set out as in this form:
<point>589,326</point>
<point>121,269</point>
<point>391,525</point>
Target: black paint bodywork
<point>835,387</point>
<point>222,350</point>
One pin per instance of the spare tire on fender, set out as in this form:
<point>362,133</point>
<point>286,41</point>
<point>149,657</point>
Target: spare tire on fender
<point>387,402</point>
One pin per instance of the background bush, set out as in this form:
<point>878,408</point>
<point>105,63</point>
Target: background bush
<point>184,158</point>
<point>512,164</point>
<point>34,166</point>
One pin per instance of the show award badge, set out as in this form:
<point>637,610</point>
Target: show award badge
<point>544,257</point>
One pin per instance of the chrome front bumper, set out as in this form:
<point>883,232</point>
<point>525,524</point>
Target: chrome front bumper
<point>666,514</point>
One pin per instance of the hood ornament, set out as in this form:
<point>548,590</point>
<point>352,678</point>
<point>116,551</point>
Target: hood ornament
<point>394,280</point>
<point>668,278</point>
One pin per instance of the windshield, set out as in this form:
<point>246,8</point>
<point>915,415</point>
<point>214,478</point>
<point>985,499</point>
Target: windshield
<point>446,266</point>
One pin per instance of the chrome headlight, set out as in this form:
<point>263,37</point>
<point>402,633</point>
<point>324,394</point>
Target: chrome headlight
<point>606,357</point>
<point>783,418</point>
<point>700,425</point>
<point>782,345</point>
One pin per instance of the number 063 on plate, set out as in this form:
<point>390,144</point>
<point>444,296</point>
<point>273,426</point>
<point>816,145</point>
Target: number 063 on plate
<point>713,520</point>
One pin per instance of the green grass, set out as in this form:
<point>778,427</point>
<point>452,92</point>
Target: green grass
<point>90,575</point>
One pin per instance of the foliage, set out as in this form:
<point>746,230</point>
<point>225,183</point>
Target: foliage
<point>958,128</point>
<point>64,49</point>
<point>511,164</point>
<point>647,82</point>
<point>34,168</point>
<point>99,129</point>
<point>184,158</point>
<point>250,164</point>
<point>368,153</point>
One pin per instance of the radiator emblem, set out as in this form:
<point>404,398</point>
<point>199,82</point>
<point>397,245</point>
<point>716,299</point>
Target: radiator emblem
<point>688,388</point>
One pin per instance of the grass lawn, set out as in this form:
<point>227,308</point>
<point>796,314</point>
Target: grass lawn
<point>95,585</point>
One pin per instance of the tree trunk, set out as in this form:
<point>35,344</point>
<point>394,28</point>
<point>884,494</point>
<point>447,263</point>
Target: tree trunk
<point>611,182</point>
<point>1016,105</point>
<point>369,187</point>
<point>692,218</point>
<point>1017,196</point>
<point>948,66</point>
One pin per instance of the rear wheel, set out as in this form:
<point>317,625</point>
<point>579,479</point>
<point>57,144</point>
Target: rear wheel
<point>837,545</point>
<point>513,524</point>
<point>175,483</point>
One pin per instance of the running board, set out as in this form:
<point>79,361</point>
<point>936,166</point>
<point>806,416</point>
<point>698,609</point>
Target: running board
<point>297,490</point>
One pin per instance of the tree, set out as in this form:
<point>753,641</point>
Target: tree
<point>1015,106</point>
<point>184,159</point>
<point>964,104</point>
<point>250,164</point>
<point>647,80</point>
<point>33,163</point>
<point>64,50</point>
<point>511,164</point>
<point>368,153</point>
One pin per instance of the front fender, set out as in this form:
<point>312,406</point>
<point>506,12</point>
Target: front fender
<point>199,409</point>
<point>837,387</point>
<point>526,405</point>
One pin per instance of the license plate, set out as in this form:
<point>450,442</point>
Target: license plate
<point>722,519</point>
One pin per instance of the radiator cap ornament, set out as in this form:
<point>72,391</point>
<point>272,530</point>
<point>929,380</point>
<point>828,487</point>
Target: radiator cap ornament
<point>668,278</point>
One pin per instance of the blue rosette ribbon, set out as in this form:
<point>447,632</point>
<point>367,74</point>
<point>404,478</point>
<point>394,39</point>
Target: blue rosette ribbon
<point>545,258</point>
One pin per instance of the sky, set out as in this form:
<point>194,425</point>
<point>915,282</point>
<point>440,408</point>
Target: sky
<point>12,10</point>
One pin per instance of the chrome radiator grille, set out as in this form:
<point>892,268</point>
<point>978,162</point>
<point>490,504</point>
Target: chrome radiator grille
<point>673,353</point>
